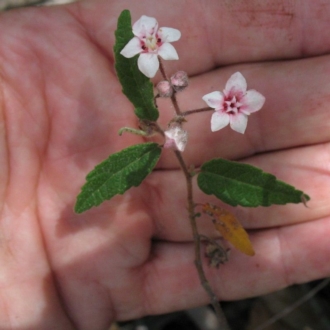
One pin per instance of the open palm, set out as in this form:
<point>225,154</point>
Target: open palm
<point>61,108</point>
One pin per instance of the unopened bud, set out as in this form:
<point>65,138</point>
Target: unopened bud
<point>179,81</point>
<point>164,89</point>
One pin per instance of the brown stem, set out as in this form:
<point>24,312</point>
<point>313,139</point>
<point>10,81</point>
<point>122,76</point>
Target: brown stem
<point>295,305</point>
<point>190,112</point>
<point>173,97</point>
<point>162,69</point>
<point>159,130</point>
<point>175,104</point>
<point>198,261</point>
<point>192,218</point>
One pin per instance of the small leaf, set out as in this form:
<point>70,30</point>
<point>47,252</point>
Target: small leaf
<point>136,86</point>
<point>117,174</point>
<point>242,184</point>
<point>229,228</point>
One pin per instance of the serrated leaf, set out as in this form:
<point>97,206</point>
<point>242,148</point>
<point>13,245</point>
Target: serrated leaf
<point>136,86</point>
<point>117,174</point>
<point>242,184</point>
<point>230,228</point>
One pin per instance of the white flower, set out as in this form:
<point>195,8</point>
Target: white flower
<point>151,41</point>
<point>176,138</point>
<point>233,105</point>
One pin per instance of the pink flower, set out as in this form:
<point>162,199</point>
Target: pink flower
<point>151,41</point>
<point>176,138</point>
<point>164,89</point>
<point>234,105</point>
<point>179,81</point>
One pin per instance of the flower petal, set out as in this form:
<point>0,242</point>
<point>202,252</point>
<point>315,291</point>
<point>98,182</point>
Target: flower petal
<point>145,26</point>
<point>176,138</point>
<point>132,48</point>
<point>181,138</point>
<point>148,64</point>
<point>236,85</point>
<point>219,120</point>
<point>238,122</point>
<point>167,52</point>
<point>169,143</point>
<point>169,34</point>
<point>214,100</point>
<point>252,101</point>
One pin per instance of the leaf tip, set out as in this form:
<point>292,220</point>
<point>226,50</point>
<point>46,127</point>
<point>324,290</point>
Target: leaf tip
<point>249,251</point>
<point>125,13</point>
<point>78,208</point>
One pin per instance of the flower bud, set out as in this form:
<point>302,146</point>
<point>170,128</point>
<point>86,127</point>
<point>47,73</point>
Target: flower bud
<point>164,89</point>
<point>179,81</point>
<point>176,138</point>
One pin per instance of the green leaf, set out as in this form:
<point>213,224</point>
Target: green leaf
<point>117,174</point>
<point>242,184</point>
<point>136,86</point>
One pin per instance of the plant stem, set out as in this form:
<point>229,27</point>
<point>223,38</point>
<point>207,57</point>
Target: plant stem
<point>162,69</point>
<point>198,261</point>
<point>192,215</point>
<point>190,112</point>
<point>295,305</point>
<point>175,104</point>
<point>132,130</point>
<point>173,97</point>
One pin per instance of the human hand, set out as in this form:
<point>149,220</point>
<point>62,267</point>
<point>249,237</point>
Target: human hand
<point>61,109</point>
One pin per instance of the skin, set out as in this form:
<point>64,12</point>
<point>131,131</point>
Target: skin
<point>61,108</point>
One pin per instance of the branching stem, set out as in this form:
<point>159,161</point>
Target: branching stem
<point>198,260</point>
<point>173,97</point>
<point>192,215</point>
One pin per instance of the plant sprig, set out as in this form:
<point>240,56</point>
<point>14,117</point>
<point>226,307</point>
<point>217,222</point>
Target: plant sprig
<point>233,183</point>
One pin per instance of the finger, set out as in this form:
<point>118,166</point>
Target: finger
<point>284,256</point>
<point>222,32</point>
<point>27,284</point>
<point>295,108</point>
<point>112,255</point>
<point>295,112</point>
<point>305,168</point>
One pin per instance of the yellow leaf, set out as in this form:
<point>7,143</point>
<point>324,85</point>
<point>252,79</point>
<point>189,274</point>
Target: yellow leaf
<point>230,229</point>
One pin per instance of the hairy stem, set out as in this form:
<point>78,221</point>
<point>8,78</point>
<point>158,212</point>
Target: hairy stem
<point>162,69</point>
<point>192,215</point>
<point>198,260</point>
<point>190,112</point>
<point>173,97</point>
<point>132,130</point>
